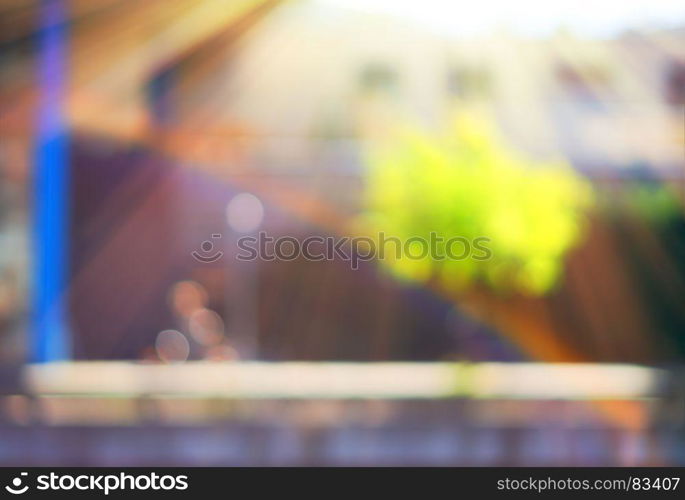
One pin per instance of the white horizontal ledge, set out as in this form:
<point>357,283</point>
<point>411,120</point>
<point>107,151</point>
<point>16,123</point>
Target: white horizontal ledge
<point>345,380</point>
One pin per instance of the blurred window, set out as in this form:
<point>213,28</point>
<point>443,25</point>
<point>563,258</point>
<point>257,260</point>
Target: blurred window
<point>585,83</point>
<point>469,82</point>
<point>675,83</point>
<point>379,78</point>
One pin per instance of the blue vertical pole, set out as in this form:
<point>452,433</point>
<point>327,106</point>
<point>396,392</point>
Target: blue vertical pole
<point>50,336</point>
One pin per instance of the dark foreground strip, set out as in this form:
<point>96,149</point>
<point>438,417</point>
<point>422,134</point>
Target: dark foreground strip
<point>353,482</point>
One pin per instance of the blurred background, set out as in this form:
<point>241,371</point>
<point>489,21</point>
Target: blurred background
<point>140,140</point>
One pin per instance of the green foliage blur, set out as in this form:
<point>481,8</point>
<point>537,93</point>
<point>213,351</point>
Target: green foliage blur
<point>469,184</point>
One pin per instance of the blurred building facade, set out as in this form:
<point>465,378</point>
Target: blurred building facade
<point>172,120</point>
